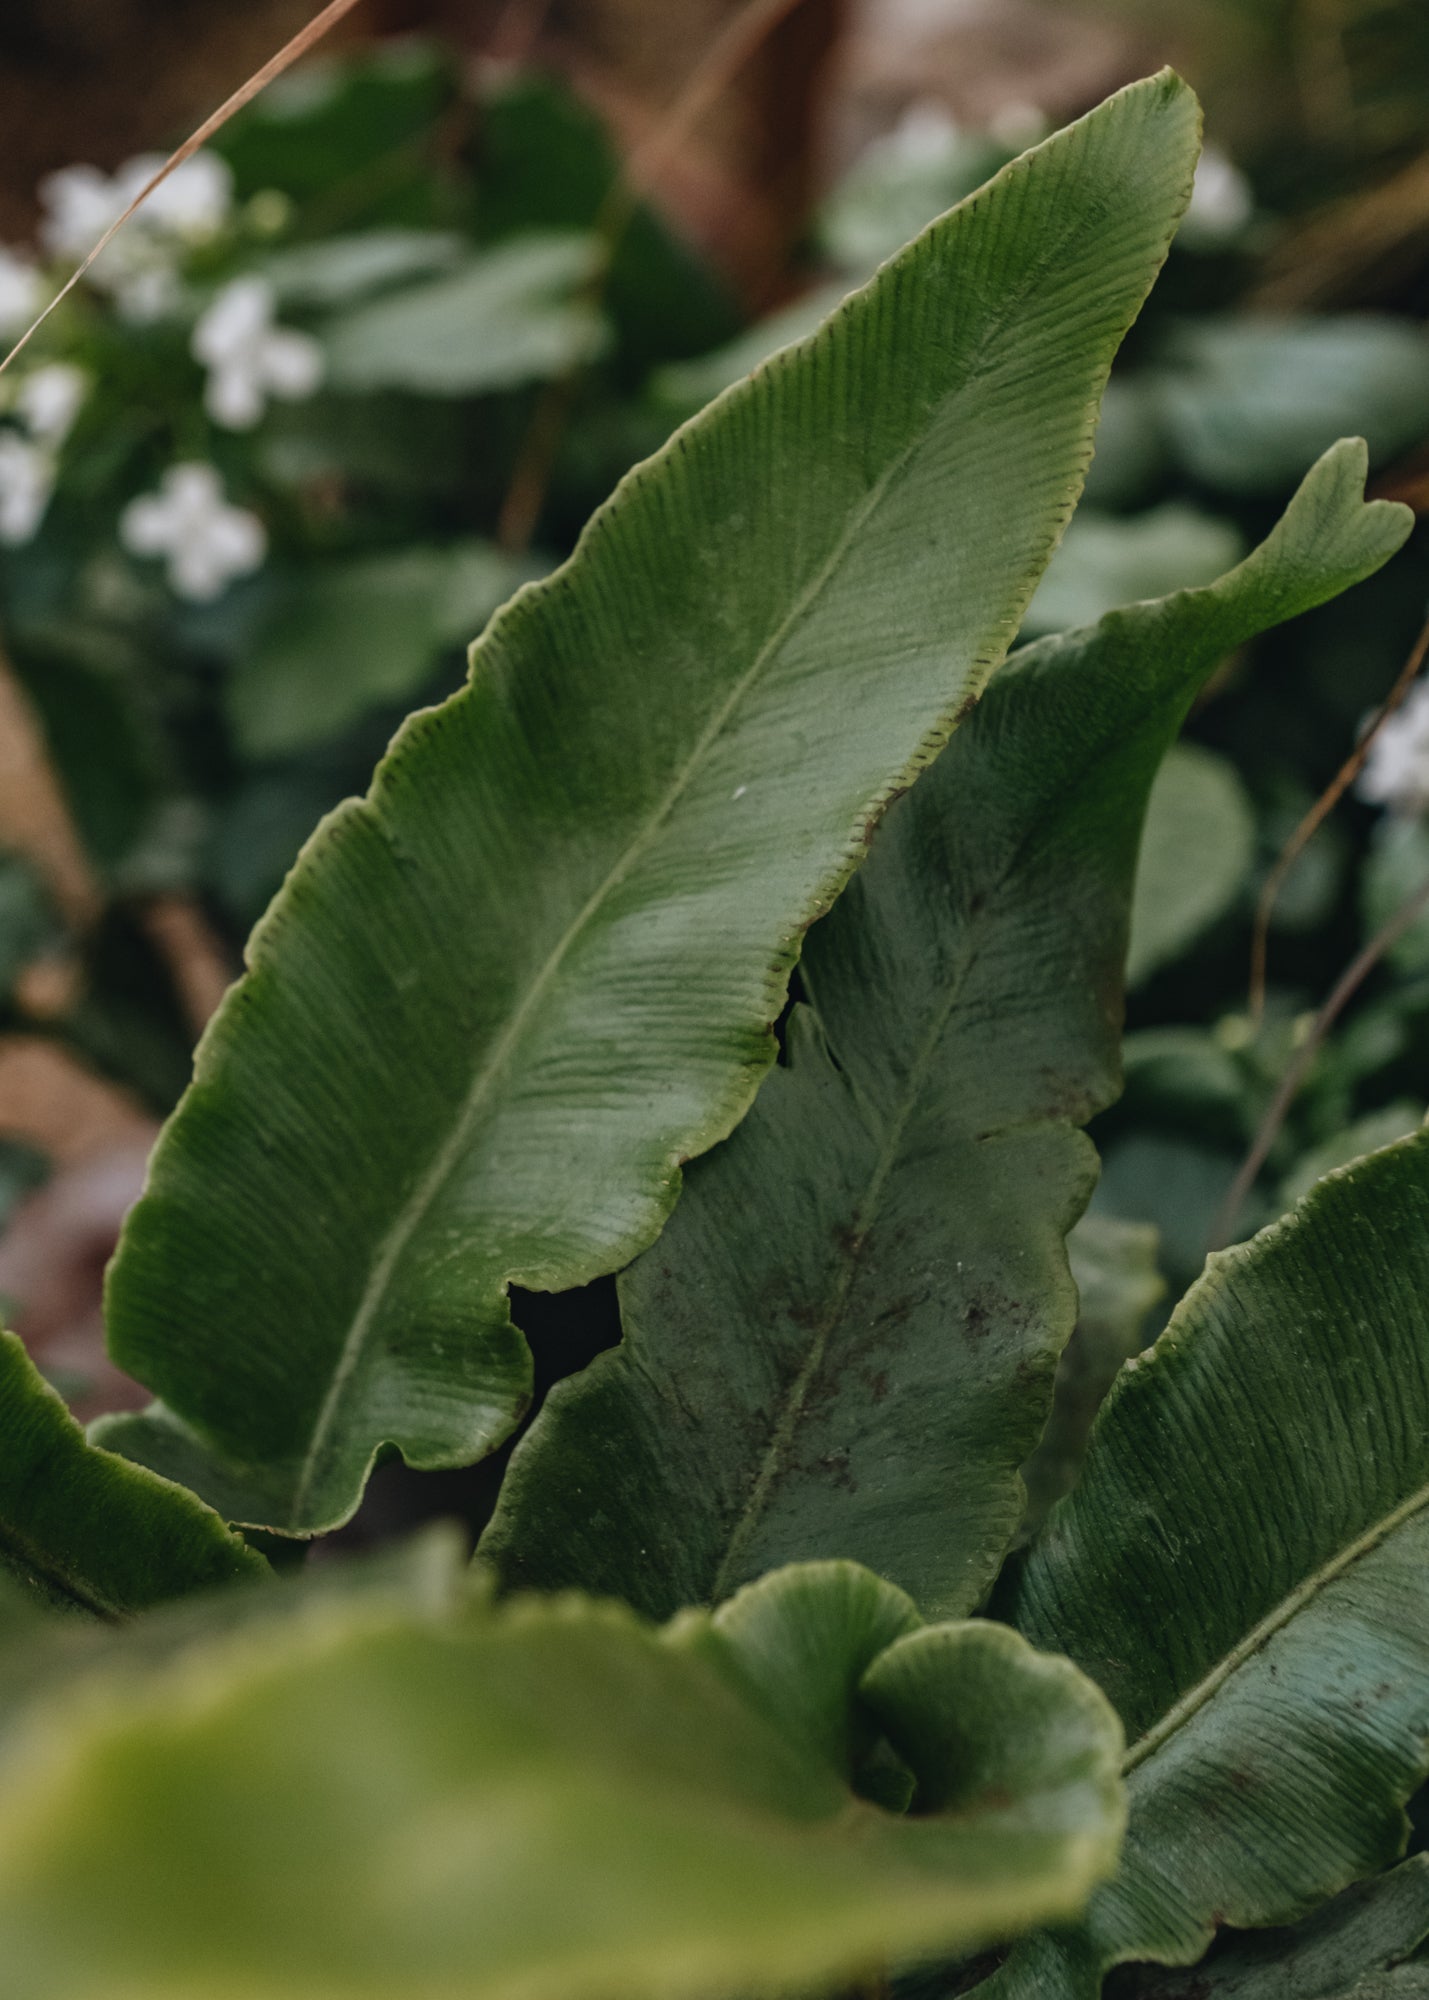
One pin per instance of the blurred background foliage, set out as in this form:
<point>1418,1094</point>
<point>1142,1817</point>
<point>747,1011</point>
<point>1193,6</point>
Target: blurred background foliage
<point>370,364</point>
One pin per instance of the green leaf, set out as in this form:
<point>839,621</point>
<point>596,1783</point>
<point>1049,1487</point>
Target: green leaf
<point>688,385</point>
<point>372,125</point>
<point>1105,561</point>
<point>544,160</point>
<point>1364,1135</point>
<point>1248,403</point>
<point>554,1799</point>
<point>504,997</point>
<point>1244,1569</point>
<point>83,1530</point>
<point>1196,854</point>
<point>1114,1265</point>
<point>359,634</point>
<point>352,267</point>
<point>1363,1934</point>
<point>845,1340</point>
<point>511,315</point>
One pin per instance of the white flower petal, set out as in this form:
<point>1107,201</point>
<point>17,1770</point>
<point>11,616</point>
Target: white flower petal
<point>234,323</point>
<point>1396,770</point>
<point>80,203</point>
<point>146,526</point>
<point>1221,200</point>
<point>193,203</point>
<point>238,540</point>
<point>50,399</point>
<point>22,291</point>
<point>195,573</point>
<point>234,396</point>
<point>27,479</point>
<point>292,364</point>
<point>144,294</point>
<point>189,520</point>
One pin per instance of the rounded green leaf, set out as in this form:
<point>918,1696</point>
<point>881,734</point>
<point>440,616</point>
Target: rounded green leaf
<point>551,1800</point>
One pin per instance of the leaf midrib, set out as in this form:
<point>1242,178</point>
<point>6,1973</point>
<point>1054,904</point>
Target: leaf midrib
<point>406,1224</point>
<point>402,1231</point>
<point>1189,1705</point>
<point>29,1556</point>
<point>976,920</point>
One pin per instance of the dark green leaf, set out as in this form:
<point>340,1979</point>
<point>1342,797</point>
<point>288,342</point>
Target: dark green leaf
<point>83,1530</point>
<point>845,1340</point>
<point>1364,1933</point>
<point>1244,1568</point>
<point>359,634</point>
<point>504,997</point>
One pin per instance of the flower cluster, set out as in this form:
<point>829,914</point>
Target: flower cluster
<point>207,542</point>
<point>249,358</point>
<point>140,268</point>
<point>145,275</point>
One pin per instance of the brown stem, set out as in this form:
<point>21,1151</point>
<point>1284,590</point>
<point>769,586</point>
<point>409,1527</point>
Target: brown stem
<point>1348,984</point>
<point>1315,819</point>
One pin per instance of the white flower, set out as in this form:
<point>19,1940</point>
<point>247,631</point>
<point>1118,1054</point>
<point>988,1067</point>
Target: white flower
<point>27,479</point>
<point>193,204</point>
<point>22,291</point>
<point>1221,201</point>
<point>250,359</point>
<point>79,203</point>
<point>147,293</point>
<point>1017,125</point>
<point>138,267</point>
<point>207,542</point>
<point>926,135</point>
<point>1396,772</point>
<point>49,400</point>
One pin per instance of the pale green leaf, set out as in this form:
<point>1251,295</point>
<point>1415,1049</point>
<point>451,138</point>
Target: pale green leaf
<point>501,999</point>
<point>343,268</point>
<point>1247,403</point>
<point>1244,1569</point>
<point>512,314</point>
<point>1196,855</point>
<point>551,1799</point>
<point>845,1340</point>
<point>1114,1267</point>
<point>1106,560</point>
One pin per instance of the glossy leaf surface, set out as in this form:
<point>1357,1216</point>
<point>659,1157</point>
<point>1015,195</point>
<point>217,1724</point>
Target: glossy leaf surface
<point>844,1342</point>
<point>502,998</point>
<point>82,1530</point>
<point>1244,1569</point>
<point>552,1799</point>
